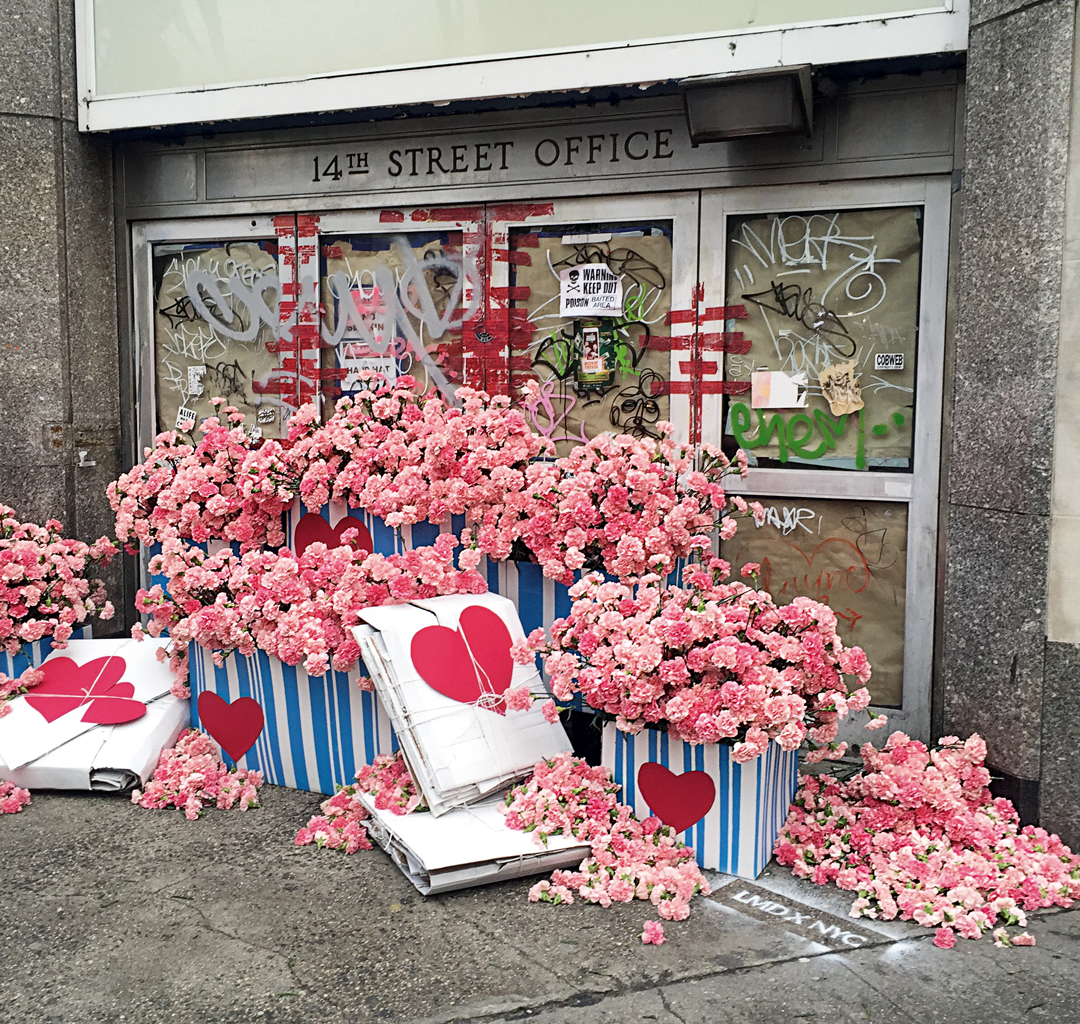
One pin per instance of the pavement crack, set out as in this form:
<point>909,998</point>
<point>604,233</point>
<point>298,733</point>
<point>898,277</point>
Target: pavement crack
<point>586,996</point>
<point>667,1005</point>
<point>289,961</point>
<point>873,988</point>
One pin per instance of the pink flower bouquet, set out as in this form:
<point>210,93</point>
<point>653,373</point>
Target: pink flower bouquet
<point>45,586</point>
<point>713,661</point>
<point>294,608</point>
<point>217,489</point>
<point>410,459</point>
<point>623,505</point>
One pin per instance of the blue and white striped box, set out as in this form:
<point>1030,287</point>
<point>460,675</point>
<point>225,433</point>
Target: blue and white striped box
<point>738,832</point>
<point>318,729</point>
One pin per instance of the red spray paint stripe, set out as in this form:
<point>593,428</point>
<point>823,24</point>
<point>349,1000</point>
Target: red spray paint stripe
<point>698,366</point>
<point>521,211</point>
<point>514,256</point>
<point>687,316</point>
<point>731,341</point>
<point>529,241</point>
<point>518,292</point>
<point>469,214</point>
<point>332,252</point>
<point>391,217</point>
<point>283,224</point>
<point>307,224</point>
<point>700,387</point>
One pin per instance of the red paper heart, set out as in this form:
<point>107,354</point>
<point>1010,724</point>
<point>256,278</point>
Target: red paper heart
<point>677,800</point>
<point>313,528</point>
<point>470,662</point>
<point>68,685</point>
<point>234,726</point>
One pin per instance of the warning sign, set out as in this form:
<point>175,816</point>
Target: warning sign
<point>592,289</point>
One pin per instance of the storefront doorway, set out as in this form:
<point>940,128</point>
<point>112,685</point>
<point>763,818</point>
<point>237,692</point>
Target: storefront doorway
<point>741,315</point>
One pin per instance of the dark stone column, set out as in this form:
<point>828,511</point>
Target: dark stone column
<point>59,385</point>
<point>994,660</point>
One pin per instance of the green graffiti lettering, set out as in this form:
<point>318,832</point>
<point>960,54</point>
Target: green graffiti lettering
<point>740,427</point>
<point>797,442</point>
<point>796,433</point>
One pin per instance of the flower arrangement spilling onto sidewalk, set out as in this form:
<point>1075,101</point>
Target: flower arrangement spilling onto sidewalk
<point>918,837</point>
<point>340,827</point>
<point>46,590</point>
<point>629,859</point>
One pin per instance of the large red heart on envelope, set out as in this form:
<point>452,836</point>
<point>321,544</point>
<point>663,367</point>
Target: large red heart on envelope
<point>677,800</point>
<point>234,726</point>
<point>96,685</point>
<point>470,664</point>
<point>313,528</point>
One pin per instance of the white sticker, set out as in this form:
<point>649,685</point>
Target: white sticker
<point>774,389</point>
<point>254,432</point>
<point>374,364</point>
<point>590,289</point>
<point>267,414</point>
<point>195,376</point>
<point>185,416</point>
<point>888,360</point>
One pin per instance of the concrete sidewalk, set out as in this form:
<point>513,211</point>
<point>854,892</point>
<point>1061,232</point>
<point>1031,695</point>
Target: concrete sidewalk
<point>113,913</point>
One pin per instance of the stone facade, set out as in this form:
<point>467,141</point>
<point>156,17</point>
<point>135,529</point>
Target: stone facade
<point>999,675</point>
<point>60,389</point>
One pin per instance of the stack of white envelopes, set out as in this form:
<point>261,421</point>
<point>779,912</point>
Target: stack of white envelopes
<point>98,721</point>
<point>441,668</point>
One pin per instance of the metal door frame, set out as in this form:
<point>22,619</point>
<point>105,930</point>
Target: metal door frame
<point>918,488</point>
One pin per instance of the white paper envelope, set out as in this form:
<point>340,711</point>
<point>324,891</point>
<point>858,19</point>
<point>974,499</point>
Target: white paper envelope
<point>108,758</point>
<point>458,750</point>
<point>108,678</point>
<point>466,847</point>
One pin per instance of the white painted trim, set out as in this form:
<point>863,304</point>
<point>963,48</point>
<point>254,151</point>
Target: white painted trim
<point>85,64</point>
<point>908,34</point>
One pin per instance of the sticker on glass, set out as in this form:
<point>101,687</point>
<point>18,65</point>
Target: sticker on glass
<point>592,289</point>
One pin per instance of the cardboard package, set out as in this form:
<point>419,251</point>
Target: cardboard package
<point>465,847</point>
<point>440,668</point>
<point>98,722</point>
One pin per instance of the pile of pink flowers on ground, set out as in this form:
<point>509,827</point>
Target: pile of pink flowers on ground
<point>387,778</point>
<point>296,609</point>
<point>629,859</point>
<point>12,798</point>
<point>45,586</point>
<point>918,837</point>
<point>716,661</point>
<point>340,827</point>
<point>191,777</point>
<point>216,489</point>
